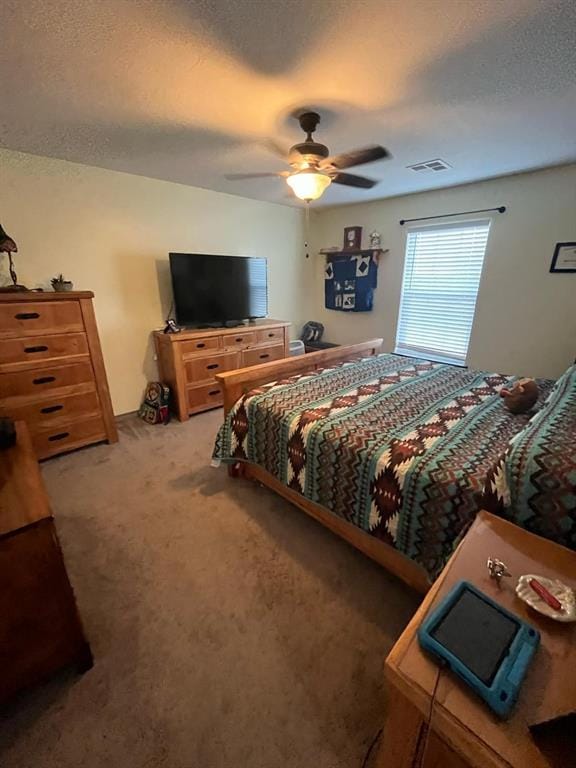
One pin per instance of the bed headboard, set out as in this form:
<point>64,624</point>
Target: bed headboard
<point>237,383</point>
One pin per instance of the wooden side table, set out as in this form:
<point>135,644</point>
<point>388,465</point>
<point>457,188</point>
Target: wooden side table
<point>40,629</point>
<point>464,732</point>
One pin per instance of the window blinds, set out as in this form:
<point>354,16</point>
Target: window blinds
<point>442,272</point>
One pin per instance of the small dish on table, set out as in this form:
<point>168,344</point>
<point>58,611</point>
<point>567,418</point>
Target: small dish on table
<point>557,589</point>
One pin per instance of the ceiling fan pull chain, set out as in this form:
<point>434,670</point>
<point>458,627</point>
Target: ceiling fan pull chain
<point>307,228</point>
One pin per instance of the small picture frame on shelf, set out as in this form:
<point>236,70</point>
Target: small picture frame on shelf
<point>564,259</point>
<point>352,238</point>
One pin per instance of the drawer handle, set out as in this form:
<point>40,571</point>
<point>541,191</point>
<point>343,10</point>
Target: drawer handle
<point>200,346</point>
<point>27,316</point>
<point>263,357</point>
<point>212,366</point>
<point>51,408</point>
<point>59,436</point>
<point>214,392</point>
<point>39,348</point>
<point>271,335</point>
<point>239,338</point>
<point>44,380</point>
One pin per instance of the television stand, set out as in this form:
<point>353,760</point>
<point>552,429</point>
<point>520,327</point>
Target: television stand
<point>225,324</point>
<point>189,360</point>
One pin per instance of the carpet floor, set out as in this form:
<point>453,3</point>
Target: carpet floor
<point>229,629</point>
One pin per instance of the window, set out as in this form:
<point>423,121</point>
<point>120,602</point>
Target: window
<point>442,272</point>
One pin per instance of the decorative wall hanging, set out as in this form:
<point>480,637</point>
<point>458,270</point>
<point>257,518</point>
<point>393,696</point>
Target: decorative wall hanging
<point>350,280</point>
<point>564,259</point>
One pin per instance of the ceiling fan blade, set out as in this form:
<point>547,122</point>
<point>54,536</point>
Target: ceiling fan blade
<point>356,157</point>
<point>351,180</point>
<point>243,176</point>
<point>276,148</point>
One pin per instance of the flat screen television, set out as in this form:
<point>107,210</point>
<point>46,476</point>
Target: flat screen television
<point>218,290</point>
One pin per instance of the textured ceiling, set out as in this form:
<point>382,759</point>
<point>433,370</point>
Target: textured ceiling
<point>192,90</point>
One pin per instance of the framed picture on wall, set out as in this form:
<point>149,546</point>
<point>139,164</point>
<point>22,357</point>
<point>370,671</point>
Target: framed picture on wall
<point>352,238</point>
<point>564,259</point>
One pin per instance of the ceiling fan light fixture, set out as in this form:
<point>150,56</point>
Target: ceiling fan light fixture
<point>309,184</point>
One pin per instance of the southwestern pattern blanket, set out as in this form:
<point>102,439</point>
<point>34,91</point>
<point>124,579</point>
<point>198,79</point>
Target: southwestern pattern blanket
<point>534,483</point>
<point>397,446</point>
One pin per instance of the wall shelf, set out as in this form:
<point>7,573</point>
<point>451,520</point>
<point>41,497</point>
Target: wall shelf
<point>349,252</point>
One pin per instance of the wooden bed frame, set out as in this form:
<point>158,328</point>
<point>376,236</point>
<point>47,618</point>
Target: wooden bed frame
<point>236,383</point>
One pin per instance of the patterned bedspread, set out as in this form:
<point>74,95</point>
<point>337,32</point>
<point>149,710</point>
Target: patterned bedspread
<point>534,483</point>
<point>397,446</point>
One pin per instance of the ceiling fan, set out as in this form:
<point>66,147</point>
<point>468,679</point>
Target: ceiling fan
<point>313,169</point>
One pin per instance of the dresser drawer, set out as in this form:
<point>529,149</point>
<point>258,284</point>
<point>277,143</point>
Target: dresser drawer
<point>205,344</point>
<point>35,318</point>
<point>27,352</point>
<point>262,355</point>
<point>33,384</point>
<point>270,336</point>
<point>204,396</point>
<point>53,409</point>
<point>240,339</point>
<point>204,368</point>
<point>50,440</point>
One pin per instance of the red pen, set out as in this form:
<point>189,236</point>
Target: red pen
<point>548,598</point>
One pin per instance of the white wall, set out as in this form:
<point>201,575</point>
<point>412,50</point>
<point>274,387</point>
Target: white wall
<point>111,232</point>
<point>525,319</point>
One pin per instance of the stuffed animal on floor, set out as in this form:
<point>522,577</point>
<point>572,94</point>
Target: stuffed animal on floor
<point>521,396</point>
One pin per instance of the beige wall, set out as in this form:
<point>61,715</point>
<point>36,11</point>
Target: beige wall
<point>111,233</point>
<point>525,319</point>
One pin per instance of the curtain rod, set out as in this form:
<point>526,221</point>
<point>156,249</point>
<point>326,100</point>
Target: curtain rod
<point>501,209</point>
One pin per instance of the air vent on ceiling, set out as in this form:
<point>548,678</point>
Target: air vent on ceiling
<point>430,165</point>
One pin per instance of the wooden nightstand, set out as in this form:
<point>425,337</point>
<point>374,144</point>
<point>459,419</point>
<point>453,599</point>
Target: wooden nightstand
<point>464,732</point>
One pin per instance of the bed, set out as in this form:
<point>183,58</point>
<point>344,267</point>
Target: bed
<point>395,454</point>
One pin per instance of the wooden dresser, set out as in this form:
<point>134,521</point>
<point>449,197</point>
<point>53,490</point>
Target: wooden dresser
<point>188,361</point>
<point>52,373</point>
<point>40,629</point>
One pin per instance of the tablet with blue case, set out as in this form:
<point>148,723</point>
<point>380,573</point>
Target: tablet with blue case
<point>484,644</point>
